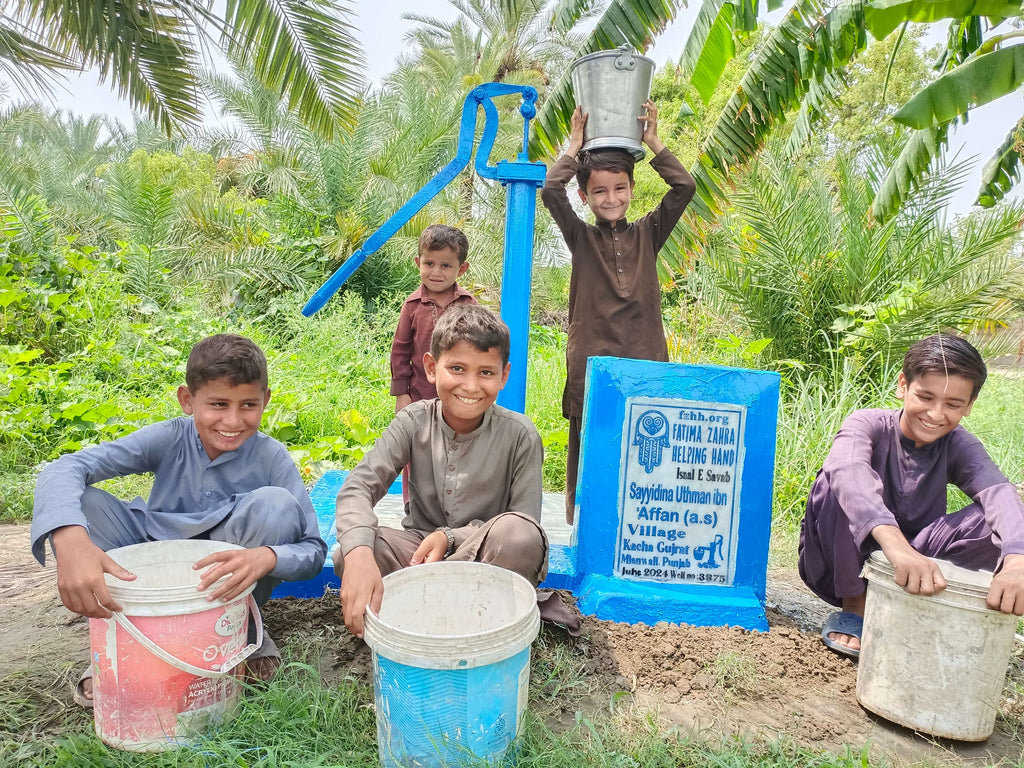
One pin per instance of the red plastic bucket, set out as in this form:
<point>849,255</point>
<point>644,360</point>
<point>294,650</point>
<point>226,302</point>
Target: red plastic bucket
<point>164,668</point>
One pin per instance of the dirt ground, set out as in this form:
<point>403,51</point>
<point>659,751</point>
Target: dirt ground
<point>715,682</point>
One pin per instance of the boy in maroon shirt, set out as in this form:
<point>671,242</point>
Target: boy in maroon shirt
<point>441,261</point>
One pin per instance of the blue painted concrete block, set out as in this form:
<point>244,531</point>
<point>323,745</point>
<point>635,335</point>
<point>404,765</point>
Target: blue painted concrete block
<point>323,496</point>
<point>675,493</point>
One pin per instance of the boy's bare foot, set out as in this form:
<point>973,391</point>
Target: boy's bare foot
<point>83,691</point>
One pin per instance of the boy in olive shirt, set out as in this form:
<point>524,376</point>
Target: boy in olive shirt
<point>474,470</point>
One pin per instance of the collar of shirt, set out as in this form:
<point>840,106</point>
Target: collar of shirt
<point>617,226</point>
<point>449,433</point>
<point>418,295</point>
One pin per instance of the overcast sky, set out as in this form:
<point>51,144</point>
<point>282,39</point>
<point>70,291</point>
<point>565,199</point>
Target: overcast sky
<point>382,30</point>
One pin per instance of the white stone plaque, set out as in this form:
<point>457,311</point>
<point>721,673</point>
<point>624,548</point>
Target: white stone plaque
<point>679,491</point>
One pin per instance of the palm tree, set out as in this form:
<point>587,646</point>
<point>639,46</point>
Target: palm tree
<point>301,49</point>
<point>795,263</point>
<point>799,66</point>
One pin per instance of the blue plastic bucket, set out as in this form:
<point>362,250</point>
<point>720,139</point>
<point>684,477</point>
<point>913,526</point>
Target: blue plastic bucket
<point>451,663</point>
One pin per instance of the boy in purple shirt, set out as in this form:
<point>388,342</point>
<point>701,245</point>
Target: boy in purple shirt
<point>216,477</point>
<point>883,486</point>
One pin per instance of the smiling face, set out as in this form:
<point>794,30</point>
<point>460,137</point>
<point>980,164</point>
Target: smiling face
<point>439,269</point>
<point>225,416</point>
<point>608,194</point>
<point>468,382</point>
<point>933,405</point>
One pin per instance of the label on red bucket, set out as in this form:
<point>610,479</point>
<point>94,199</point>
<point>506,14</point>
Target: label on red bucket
<point>144,703</point>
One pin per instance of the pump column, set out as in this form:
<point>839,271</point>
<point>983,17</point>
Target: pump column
<point>521,181</point>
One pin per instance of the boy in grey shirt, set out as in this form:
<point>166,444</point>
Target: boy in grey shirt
<point>216,476</point>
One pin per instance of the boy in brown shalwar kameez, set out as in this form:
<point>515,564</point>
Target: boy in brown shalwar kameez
<point>614,293</point>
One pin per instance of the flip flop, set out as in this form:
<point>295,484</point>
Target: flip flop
<point>79,693</point>
<point>843,623</point>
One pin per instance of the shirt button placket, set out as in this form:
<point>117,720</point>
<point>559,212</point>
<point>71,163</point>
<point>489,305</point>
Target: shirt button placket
<point>449,482</point>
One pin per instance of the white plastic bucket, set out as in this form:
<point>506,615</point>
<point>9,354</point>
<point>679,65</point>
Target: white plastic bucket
<point>933,663</point>
<point>163,667</point>
<point>451,663</point>
<point>611,87</point>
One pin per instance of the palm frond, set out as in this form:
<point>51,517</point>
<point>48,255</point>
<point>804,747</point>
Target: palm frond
<point>1002,170</point>
<point>819,93</point>
<point>922,147</point>
<point>806,48</point>
<point>568,13</point>
<point>146,50</point>
<point>305,50</point>
<point>29,62</point>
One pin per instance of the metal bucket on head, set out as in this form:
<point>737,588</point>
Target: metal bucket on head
<point>933,663</point>
<point>611,87</point>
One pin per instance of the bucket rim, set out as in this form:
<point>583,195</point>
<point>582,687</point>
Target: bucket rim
<point>475,649</point>
<point>878,565</point>
<point>135,595</point>
<point>616,52</point>
<point>513,580</point>
<point>384,626</point>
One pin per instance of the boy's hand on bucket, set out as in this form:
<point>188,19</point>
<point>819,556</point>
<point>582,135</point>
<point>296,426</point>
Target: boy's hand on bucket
<point>650,123</point>
<point>80,568</point>
<point>361,587</point>
<point>1006,593</point>
<point>431,549</point>
<point>916,573</point>
<point>577,123</point>
<point>242,567</point>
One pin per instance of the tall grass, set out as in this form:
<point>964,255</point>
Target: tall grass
<point>811,411</point>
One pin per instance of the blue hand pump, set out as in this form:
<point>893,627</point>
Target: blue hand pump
<point>521,178</point>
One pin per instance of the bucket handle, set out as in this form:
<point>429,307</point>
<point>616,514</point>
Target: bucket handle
<point>625,60</point>
<point>184,666</point>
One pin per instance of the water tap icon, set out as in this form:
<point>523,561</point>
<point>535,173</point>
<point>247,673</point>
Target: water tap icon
<point>709,551</point>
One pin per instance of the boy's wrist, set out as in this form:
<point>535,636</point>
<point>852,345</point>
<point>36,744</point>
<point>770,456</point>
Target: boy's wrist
<point>450,536</point>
